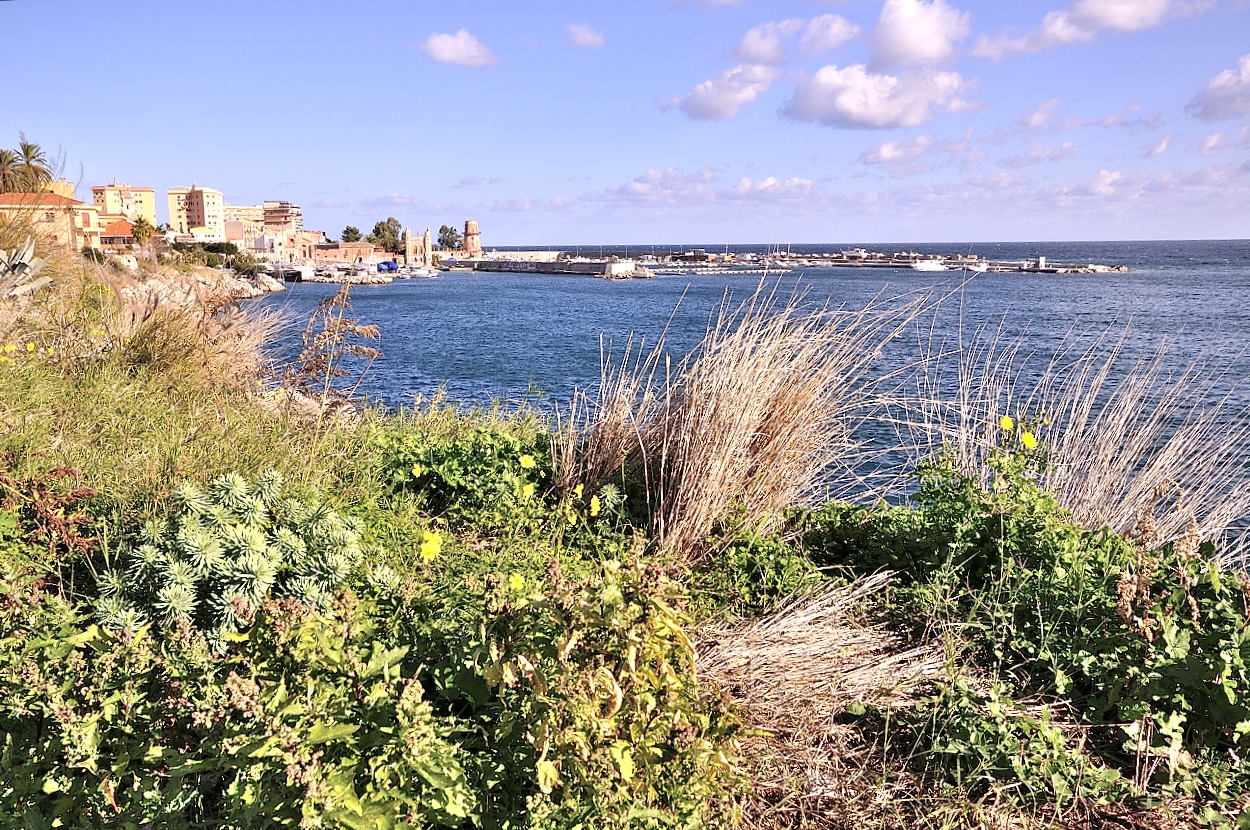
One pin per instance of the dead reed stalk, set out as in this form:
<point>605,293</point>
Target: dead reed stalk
<point>1117,432</point>
<point>754,420</point>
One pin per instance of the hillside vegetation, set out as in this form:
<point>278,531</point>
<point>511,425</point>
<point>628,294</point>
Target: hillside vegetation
<point>234,599</point>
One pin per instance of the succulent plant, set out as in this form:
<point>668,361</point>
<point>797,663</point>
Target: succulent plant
<point>19,271</point>
<point>223,551</point>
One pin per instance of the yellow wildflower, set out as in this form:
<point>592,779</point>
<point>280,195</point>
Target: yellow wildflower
<point>516,582</point>
<point>528,462</point>
<point>528,491</point>
<point>594,506</point>
<point>30,347</point>
<point>1029,440</point>
<point>577,492</point>
<point>9,348</point>
<point>572,517</point>
<point>431,545</point>
<point>1007,422</point>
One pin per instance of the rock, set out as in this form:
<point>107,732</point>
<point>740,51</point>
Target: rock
<point>268,284</point>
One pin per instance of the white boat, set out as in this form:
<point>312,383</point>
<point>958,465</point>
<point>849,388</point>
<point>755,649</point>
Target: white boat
<point>979,268</point>
<point>929,265</point>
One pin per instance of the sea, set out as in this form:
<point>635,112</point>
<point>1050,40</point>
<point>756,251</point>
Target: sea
<point>531,339</point>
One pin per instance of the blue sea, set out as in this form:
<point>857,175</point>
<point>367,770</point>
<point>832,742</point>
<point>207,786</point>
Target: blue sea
<point>508,338</point>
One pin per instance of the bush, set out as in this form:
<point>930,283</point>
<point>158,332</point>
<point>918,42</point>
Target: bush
<point>1145,645</point>
<point>223,553</point>
<point>484,477</point>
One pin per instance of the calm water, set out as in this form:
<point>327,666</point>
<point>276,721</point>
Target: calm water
<point>492,337</point>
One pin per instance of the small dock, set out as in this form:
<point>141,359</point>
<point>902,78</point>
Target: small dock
<point>624,269</point>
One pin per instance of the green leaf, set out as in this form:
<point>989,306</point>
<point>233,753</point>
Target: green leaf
<point>323,732</point>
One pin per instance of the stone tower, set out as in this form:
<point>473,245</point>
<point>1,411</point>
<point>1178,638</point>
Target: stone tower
<point>472,238</point>
<point>427,250</point>
<point>410,248</point>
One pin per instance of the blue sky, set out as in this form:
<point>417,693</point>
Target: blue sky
<point>660,121</point>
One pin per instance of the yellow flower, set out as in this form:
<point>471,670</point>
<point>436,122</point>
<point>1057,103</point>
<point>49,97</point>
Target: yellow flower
<point>1029,440</point>
<point>1007,423</point>
<point>431,544</point>
<point>528,462</point>
<point>594,506</point>
<point>528,491</point>
<point>572,517</point>
<point>30,347</point>
<point>516,582</point>
<point>577,492</point>
<point>9,348</point>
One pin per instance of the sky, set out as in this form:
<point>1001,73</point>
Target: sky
<point>659,121</point>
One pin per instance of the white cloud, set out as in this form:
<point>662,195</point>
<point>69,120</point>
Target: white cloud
<point>724,94</point>
<point>1212,144</point>
<point>1104,183</point>
<point>676,188</point>
<point>764,43</point>
<point>1227,95</point>
<point>1083,21</point>
<point>825,33</point>
<point>1160,148</point>
<point>856,98</point>
<point>462,49</point>
<point>900,158</point>
<point>1038,154</point>
<point>1040,116</point>
<point>585,36</point>
<point>772,189</point>
<point>915,32</point>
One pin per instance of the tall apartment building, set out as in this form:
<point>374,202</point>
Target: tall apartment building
<point>123,200</point>
<point>197,207</point>
<point>283,216</point>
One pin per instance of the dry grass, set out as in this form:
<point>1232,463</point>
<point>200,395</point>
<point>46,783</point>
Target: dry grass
<point>1118,432</point>
<point>758,418</point>
<point>186,323</point>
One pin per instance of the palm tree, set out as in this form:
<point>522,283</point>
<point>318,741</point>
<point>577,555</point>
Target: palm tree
<point>33,165</point>
<point>142,230</point>
<point>9,172</point>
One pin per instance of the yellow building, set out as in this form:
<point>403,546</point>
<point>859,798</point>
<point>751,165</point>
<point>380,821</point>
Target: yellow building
<point>132,203</point>
<point>56,219</point>
<point>196,207</point>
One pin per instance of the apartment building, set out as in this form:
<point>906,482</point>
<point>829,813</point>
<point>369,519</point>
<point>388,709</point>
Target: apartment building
<point>125,201</point>
<point>283,216</point>
<point>200,211</point>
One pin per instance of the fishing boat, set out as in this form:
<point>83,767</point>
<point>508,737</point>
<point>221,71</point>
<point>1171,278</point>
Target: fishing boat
<point>929,265</point>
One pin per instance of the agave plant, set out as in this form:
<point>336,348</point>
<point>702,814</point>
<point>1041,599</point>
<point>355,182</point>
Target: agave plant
<point>19,271</point>
<point>223,551</point>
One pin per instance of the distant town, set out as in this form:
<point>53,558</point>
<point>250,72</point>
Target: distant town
<point>271,236</point>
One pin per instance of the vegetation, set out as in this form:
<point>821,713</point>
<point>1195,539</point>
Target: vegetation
<point>26,169</point>
<point>449,238</point>
<point>388,235</point>
<point>236,600</point>
<point>351,234</point>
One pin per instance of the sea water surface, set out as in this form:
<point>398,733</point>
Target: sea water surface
<point>485,338</point>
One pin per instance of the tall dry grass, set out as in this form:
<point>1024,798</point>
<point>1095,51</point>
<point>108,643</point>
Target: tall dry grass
<point>1122,434</point>
<point>759,417</point>
<point>186,324</point>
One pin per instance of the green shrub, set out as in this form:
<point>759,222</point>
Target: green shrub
<point>485,477</point>
<point>304,721</point>
<point>1146,646</point>
<point>594,703</point>
<point>224,552</point>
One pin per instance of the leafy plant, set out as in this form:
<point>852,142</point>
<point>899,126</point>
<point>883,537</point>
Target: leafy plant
<point>485,476</point>
<point>223,553</point>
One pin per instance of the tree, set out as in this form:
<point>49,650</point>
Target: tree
<point>142,230</point>
<point>449,238</point>
<point>33,167</point>
<point>351,234</point>
<point>10,173</point>
<point>387,235</point>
